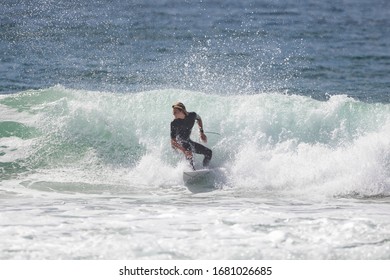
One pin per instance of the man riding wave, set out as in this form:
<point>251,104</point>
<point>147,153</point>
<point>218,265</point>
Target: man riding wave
<point>181,128</point>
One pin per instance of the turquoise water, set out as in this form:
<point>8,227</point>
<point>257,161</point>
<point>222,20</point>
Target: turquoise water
<point>297,92</point>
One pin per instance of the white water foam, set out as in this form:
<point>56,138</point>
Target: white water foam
<point>304,179</point>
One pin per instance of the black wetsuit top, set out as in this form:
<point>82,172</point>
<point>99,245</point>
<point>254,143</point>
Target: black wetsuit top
<point>181,128</point>
<point>181,131</point>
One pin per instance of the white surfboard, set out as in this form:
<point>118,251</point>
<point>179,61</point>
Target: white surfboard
<point>195,175</point>
<point>204,180</point>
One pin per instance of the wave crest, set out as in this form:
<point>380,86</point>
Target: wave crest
<point>267,142</point>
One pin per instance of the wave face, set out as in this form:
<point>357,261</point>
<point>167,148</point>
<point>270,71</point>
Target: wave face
<point>268,143</point>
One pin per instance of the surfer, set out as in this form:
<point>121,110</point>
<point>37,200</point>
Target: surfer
<point>181,128</point>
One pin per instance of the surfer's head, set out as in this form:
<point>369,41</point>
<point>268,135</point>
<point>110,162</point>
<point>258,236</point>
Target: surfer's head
<point>179,107</point>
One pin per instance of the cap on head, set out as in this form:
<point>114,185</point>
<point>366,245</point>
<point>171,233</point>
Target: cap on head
<point>180,106</point>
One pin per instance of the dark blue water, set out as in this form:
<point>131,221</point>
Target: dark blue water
<point>307,47</point>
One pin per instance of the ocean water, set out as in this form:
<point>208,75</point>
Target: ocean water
<point>295,100</point>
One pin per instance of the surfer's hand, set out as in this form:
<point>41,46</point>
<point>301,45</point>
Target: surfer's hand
<point>188,154</point>
<point>203,137</point>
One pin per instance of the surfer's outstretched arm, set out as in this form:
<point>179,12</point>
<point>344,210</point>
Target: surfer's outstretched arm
<point>203,136</point>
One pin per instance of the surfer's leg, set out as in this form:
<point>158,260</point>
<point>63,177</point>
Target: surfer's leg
<point>189,147</point>
<point>200,149</point>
